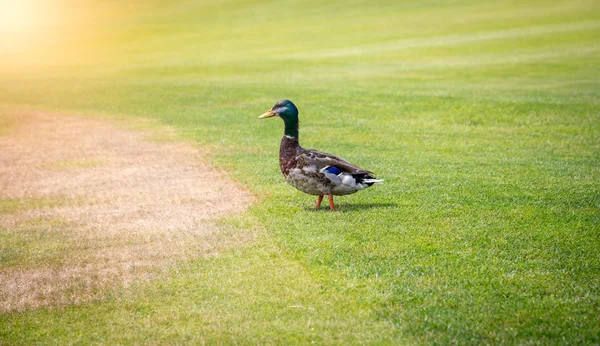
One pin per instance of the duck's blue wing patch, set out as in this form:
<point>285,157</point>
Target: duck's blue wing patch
<point>333,170</point>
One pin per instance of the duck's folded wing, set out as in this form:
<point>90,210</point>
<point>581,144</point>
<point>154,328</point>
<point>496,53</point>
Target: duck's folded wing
<point>321,160</point>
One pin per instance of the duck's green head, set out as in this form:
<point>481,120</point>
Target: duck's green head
<point>286,110</point>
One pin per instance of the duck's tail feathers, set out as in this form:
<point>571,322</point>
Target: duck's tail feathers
<point>367,178</point>
<point>373,181</point>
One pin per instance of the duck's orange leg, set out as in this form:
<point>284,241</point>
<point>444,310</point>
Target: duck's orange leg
<point>319,202</point>
<point>331,205</point>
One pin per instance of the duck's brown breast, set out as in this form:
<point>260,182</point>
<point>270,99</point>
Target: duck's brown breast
<point>287,154</point>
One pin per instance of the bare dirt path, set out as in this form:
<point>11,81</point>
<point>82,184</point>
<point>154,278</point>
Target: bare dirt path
<point>87,205</point>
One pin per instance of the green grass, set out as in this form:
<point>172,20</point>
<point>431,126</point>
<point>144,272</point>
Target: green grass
<point>483,119</point>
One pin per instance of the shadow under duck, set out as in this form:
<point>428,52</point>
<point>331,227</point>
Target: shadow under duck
<point>312,171</point>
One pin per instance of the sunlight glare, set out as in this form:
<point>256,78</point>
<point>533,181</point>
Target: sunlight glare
<point>23,24</point>
<point>17,16</point>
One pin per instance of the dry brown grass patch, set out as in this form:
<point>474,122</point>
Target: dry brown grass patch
<point>87,205</point>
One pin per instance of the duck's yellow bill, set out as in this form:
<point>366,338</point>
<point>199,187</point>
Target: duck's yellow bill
<point>267,115</point>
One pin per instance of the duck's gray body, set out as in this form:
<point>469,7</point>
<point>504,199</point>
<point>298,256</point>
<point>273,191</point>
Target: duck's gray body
<point>318,173</point>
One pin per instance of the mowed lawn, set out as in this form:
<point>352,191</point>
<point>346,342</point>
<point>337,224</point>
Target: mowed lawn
<point>483,120</point>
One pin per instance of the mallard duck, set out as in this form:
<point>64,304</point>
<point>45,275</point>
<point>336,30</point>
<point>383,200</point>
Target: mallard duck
<point>312,171</point>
